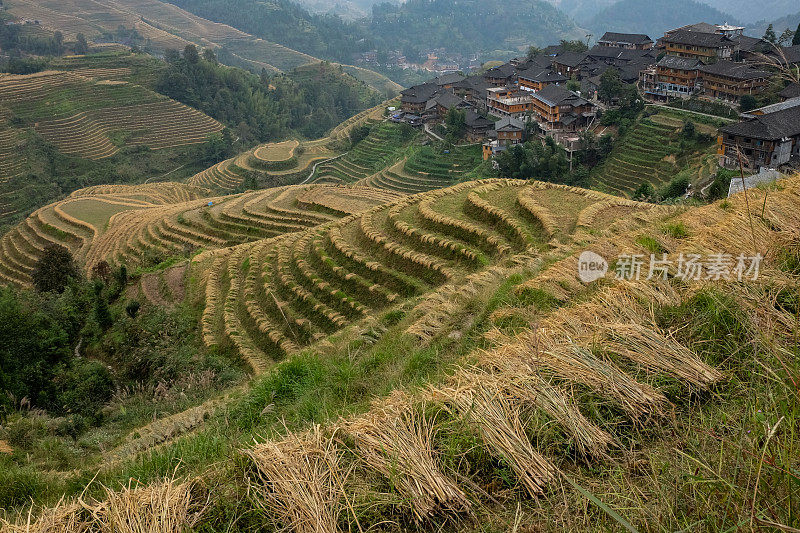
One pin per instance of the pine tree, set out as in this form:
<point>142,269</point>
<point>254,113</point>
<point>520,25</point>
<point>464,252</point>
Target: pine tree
<point>769,35</point>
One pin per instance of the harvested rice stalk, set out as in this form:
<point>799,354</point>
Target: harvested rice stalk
<point>163,507</point>
<point>652,349</point>
<point>298,480</point>
<point>530,388</point>
<point>396,440</point>
<point>63,517</point>
<point>575,363</point>
<point>497,418</point>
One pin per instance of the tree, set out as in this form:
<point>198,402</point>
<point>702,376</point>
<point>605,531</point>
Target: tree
<point>81,46</point>
<point>54,269</point>
<point>645,192</point>
<point>455,120</point>
<point>769,35</point>
<point>210,56</point>
<point>574,46</point>
<point>533,51</point>
<point>190,54</point>
<point>573,85</point>
<point>58,39</point>
<point>786,37</point>
<point>610,85</point>
<point>748,102</point>
<point>171,56</point>
<point>796,38</point>
<point>689,130</point>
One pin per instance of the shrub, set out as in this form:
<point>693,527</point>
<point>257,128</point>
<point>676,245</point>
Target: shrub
<point>54,269</point>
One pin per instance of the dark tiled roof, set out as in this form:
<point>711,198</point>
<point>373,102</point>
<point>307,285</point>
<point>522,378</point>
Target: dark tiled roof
<point>791,91</point>
<point>448,100</point>
<point>509,123</point>
<point>570,59</point>
<point>633,38</point>
<point>448,79</point>
<point>740,71</point>
<point>542,75</point>
<point>554,95</point>
<point>752,44</point>
<point>506,70</point>
<point>702,27</point>
<point>774,126</point>
<point>696,38</point>
<point>419,93</point>
<point>474,120</point>
<point>682,63</point>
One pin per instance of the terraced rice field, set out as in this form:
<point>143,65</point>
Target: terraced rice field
<point>379,149</point>
<point>228,176</point>
<point>80,117</point>
<point>650,152</point>
<point>144,225</point>
<point>11,164</point>
<point>274,296</point>
<point>425,170</point>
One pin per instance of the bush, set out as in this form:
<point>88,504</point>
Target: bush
<point>85,388</point>
<point>54,269</point>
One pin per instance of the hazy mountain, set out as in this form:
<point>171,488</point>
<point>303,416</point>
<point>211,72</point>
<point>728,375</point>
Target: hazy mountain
<point>786,22</point>
<point>581,10</point>
<point>654,17</point>
<point>747,11</point>
<point>471,25</point>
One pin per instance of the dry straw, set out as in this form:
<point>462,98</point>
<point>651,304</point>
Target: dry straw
<point>299,480</point>
<point>497,418</point>
<point>396,440</point>
<point>64,517</point>
<point>166,506</point>
<point>650,348</point>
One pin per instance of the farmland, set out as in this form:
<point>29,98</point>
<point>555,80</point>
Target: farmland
<point>440,349</point>
<point>272,297</point>
<point>650,152</point>
<point>145,225</point>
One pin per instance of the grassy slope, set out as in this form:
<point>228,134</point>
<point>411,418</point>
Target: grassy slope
<point>724,457</point>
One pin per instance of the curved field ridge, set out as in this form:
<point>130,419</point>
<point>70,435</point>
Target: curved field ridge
<point>87,118</point>
<point>143,225</point>
<point>290,291</point>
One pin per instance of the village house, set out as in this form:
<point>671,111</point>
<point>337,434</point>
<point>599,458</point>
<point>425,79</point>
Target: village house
<point>508,101</point>
<point>478,127</point>
<point>437,107</point>
<point>730,81</point>
<point>501,76</point>
<point>414,99</point>
<point>568,63</point>
<point>537,79</point>
<point>675,77</point>
<point>448,81</point>
<point>508,132</point>
<point>633,41</point>
<point>706,47</point>
<point>767,140</point>
<point>556,108</point>
<point>790,91</point>
<point>473,90</point>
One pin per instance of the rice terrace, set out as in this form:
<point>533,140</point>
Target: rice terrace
<point>246,289</point>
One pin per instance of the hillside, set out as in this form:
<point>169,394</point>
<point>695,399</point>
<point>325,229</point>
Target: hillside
<point>743,10</point>
<point>470,26</point>
<point>654,17</point>
<point>457,373</point>
<point>174,29</point>
<point>654,151</point>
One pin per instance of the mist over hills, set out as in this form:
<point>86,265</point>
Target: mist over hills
<point>654,17</point>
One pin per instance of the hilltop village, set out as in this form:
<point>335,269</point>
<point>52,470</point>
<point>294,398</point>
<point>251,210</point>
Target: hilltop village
<point>562,90</point>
